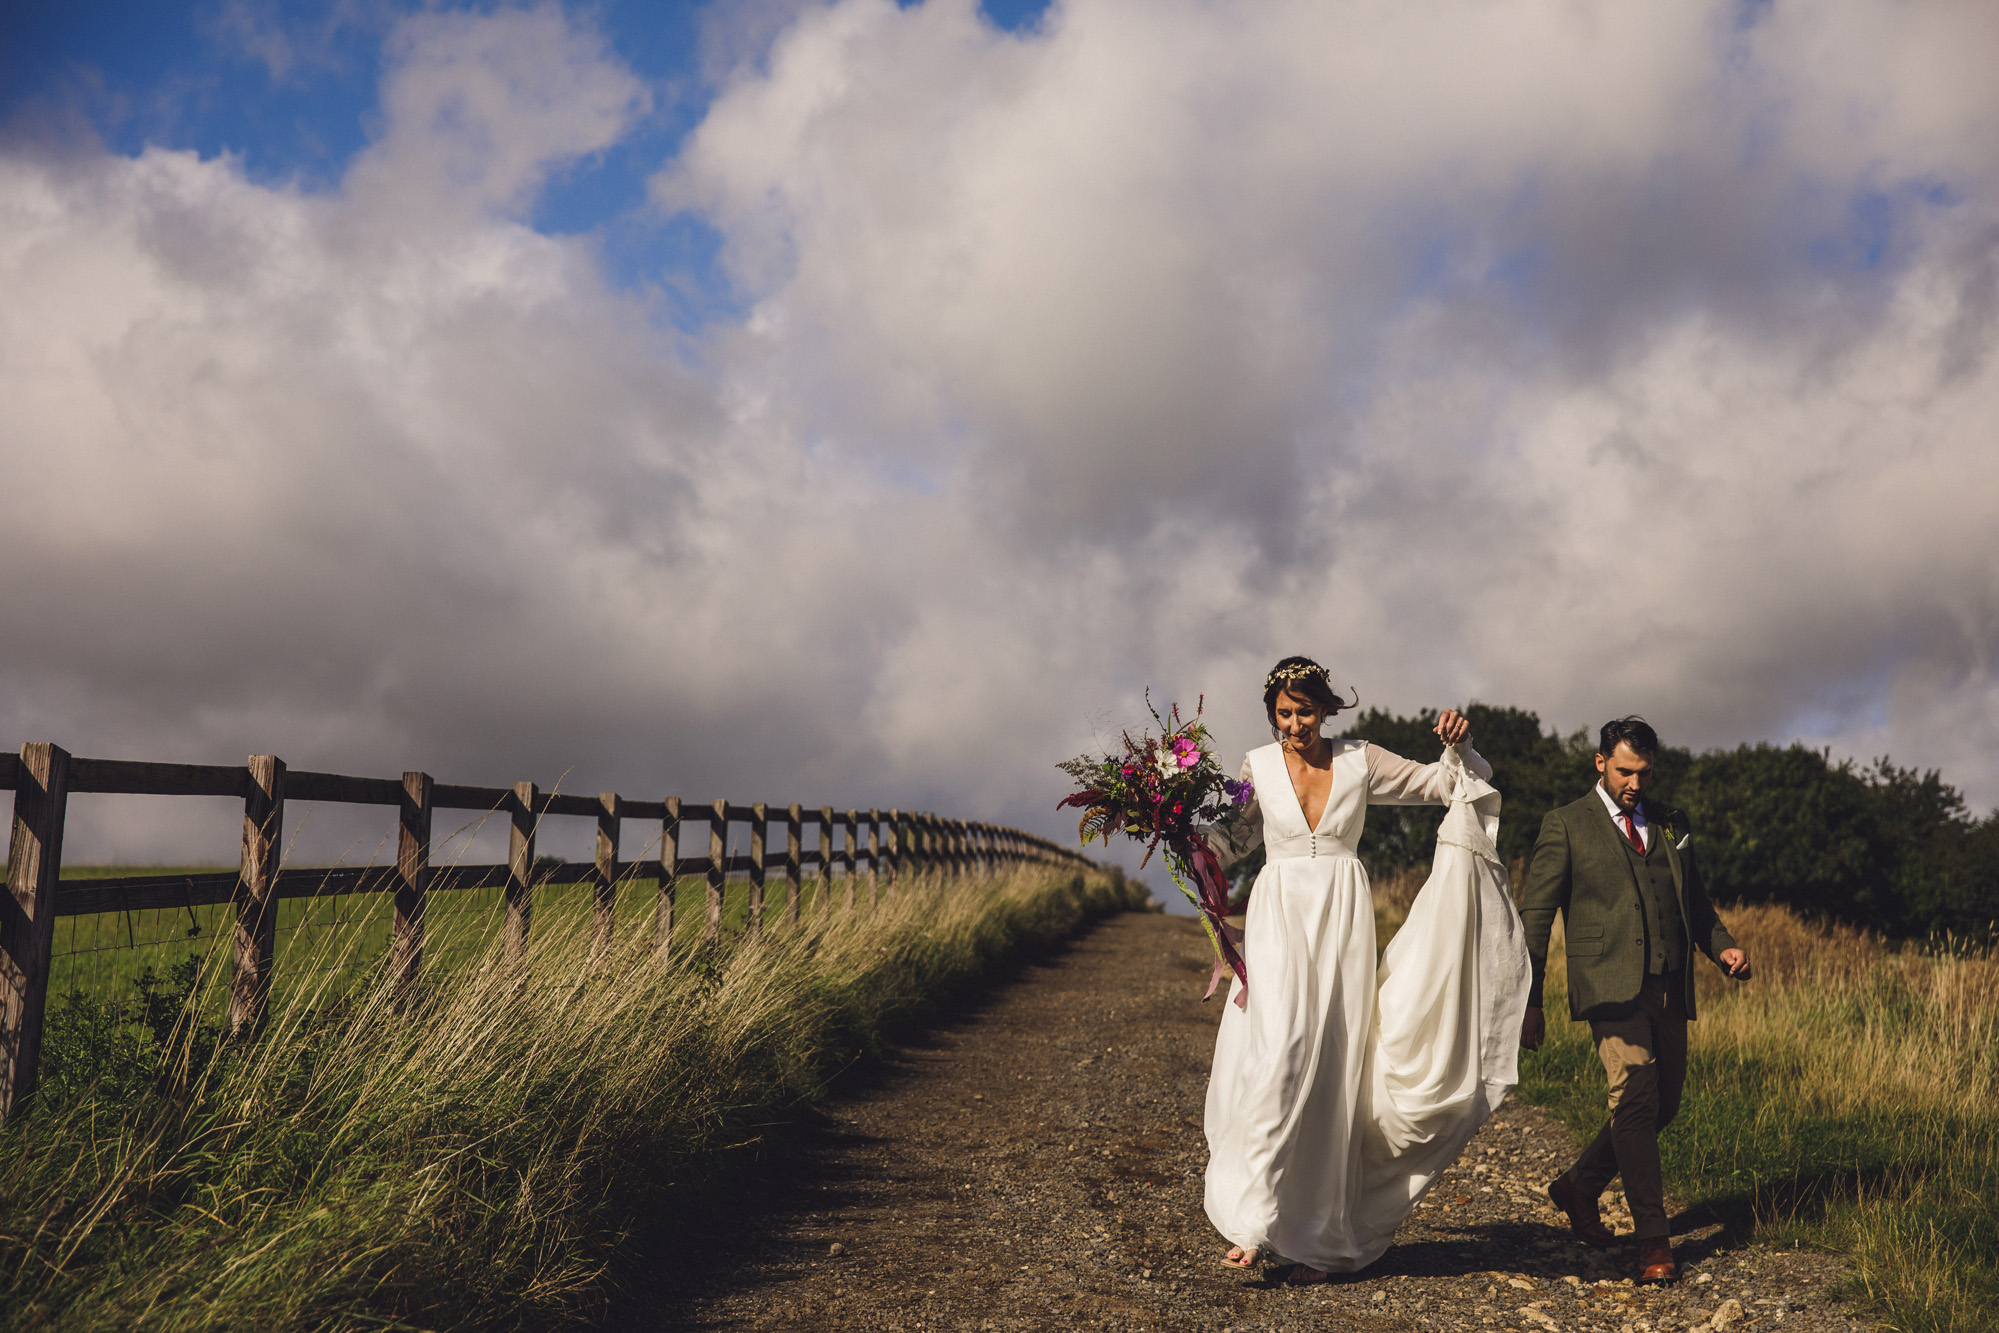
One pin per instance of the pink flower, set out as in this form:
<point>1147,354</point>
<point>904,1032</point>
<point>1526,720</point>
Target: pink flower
<point>1187,752</point>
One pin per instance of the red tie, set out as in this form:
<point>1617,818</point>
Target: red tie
<point>1631,832</point>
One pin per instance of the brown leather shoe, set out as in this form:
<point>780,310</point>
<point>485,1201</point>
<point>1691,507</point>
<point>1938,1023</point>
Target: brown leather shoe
<point>1655,1261</point>
<point>1584,1223</point>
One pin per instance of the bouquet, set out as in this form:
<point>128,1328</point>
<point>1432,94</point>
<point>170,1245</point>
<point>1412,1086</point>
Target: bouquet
<point>1156,792</point>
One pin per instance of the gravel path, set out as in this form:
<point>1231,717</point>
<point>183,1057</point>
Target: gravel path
<point>1037,1164</point>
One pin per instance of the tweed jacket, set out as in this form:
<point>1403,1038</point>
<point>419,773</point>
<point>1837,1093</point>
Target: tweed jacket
<point>1581,869</point>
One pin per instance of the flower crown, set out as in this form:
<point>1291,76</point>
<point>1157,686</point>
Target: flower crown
<point>1296,671</point>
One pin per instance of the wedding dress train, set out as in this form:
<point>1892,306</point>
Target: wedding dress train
<point>1340,1090</point>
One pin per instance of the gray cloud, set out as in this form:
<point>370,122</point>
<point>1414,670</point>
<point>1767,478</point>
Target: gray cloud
<point>1589,358</point>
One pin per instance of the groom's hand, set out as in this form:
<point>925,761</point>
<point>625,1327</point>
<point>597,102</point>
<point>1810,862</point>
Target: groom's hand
<point>1532,1029</point>
<point>1737,963</point>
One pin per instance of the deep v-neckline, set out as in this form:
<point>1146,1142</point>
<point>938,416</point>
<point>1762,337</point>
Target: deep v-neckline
<point>1298,797</point>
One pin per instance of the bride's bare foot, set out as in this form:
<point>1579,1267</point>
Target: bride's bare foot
<point>1303,1276</point>
<point>1238,1257</point>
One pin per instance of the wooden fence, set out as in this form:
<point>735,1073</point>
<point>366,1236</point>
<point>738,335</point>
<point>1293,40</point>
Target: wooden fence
<point>44,776</point>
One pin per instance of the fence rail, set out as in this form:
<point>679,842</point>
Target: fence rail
<point>44,776</point>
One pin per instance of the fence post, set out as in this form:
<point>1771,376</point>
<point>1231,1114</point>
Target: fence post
<point>669,876</point>
<point>412,882</point>
<point>28,916</point>
<point>826,858</point>
<point>893,850</point>
<point>525,808</point>
<point>257,896</point>
<point>874,858</point>
<point>794,825</point>
<point>604,910</point>
<point>849,863</point>
<point>759,830</point>
<point>718,865</point>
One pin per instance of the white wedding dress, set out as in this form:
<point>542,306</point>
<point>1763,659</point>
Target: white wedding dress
<point>1339,1092</point>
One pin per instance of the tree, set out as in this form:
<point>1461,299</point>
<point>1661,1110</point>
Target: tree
<point>1891,849</point>
<point>1533,770</point>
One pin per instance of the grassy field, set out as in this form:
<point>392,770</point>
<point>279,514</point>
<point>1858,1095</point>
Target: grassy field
<point>117,977</point>
<point>1848,1097</point>
<point>107,953</point>
<point>477,1159</point>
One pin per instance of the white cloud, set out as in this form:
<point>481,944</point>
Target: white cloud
<point>1588,357</point>
<point>1583,356</point>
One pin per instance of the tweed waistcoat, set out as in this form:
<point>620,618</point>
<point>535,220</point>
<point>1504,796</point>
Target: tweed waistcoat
<point>1665,930</point>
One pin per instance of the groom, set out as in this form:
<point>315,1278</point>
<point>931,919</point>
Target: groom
<point>1618,869</point>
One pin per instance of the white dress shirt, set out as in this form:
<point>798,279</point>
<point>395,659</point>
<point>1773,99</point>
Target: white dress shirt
<point>1618,814</point>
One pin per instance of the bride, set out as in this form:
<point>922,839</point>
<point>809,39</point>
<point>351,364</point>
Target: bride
<point>1340,1091</point>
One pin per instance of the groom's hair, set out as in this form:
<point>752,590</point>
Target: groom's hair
<point>1633,731</point>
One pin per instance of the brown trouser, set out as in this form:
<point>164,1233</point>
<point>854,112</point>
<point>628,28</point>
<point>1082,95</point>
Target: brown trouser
<point>1645,1055</point>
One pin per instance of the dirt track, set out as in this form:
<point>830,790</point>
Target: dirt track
<point>1036,1164</point>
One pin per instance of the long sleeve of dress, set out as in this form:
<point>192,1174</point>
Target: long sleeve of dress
<point>1242,835</point>
<point>1393,780</point>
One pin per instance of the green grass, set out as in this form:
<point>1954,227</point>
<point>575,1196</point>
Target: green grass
<point>106,954</point>
<point>478,1158</point>
<point>1848,1098</point>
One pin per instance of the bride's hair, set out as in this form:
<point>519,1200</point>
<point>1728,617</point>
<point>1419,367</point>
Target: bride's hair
<point>1301,676</point>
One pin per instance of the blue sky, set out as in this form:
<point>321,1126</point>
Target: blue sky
<point>291,88</point>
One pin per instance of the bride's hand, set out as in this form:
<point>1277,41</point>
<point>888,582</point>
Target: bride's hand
<point>1452,727</point>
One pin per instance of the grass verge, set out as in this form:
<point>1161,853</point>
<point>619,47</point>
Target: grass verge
<point>477,1157</point>
<point>1848,1097</point>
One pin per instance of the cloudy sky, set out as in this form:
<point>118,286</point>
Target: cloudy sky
<point>863,403</point>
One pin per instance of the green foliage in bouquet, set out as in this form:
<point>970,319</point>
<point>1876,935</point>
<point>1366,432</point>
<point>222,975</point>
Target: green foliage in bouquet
<point>1159,789</point>
<point>1158,792</point>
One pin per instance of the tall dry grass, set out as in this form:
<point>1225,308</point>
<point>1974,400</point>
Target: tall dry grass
<point>1848,1097</point>
<point>1394,894</point>
<point>477,1158</point>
